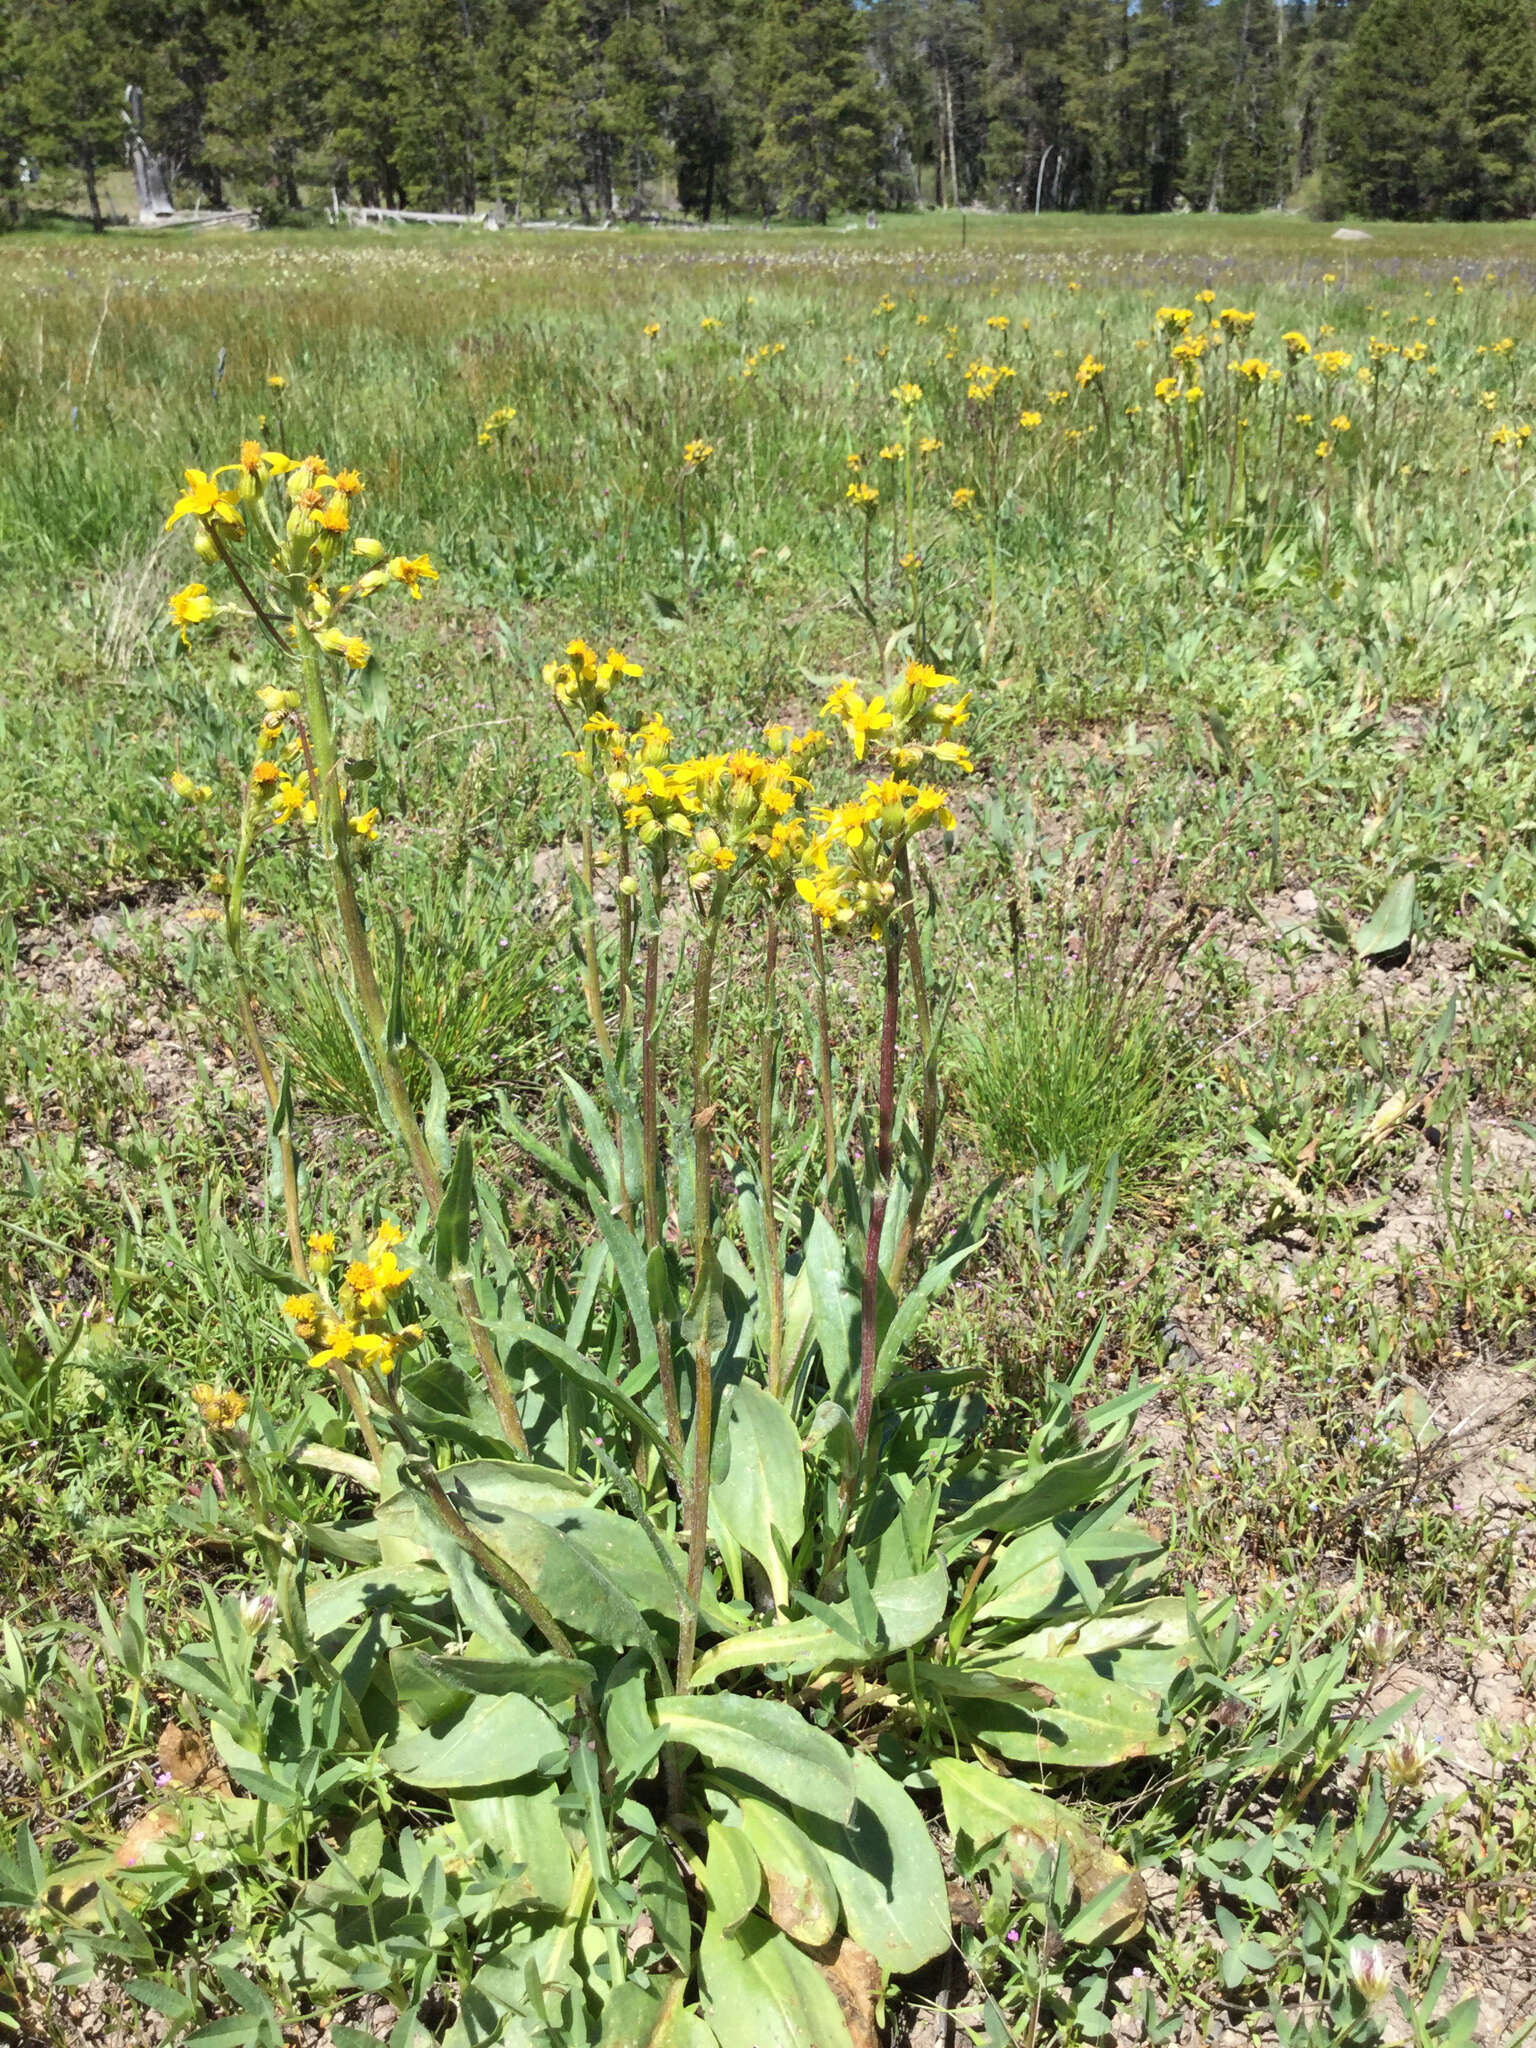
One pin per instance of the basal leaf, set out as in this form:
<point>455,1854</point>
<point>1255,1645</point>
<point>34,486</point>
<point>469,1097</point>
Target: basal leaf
<point>767,1744</point>
<point>496,1739</point>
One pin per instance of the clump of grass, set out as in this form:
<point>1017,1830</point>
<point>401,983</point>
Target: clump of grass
<point>477,995</point>
<point>1081,1061</point>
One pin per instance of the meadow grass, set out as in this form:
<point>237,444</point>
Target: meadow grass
<point>1276,680</point>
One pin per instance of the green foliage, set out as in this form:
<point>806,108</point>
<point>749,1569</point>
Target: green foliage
<point>1435,111</point>
<point>791,111</point>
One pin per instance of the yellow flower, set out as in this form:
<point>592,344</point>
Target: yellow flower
<point>1030,420</point>
<point>1238,322</point>
<point>907,395</point>
<point>190,607</point>
<point>366,824</point>
<point>651,329</point>
<point>1205,298</point>
<point>410,571</point>
<point>322,1250</point>
<point>709,323</point>
<point>372,1281</point>
<point>857,718</point>
<point>189,791</point>
<point>1339,423</point>
<point>278,383</point>
<point>303,1310</point>
<point>1253,368</point>
<point>204,500</point>
<point>865,496</point>
<point>1088,371</point>
<point>1333,362</point>
<point>697,453</point>
<point>893,452</point>
<point>1176,318</point>
<point>999,321</point>
<point>962,497</point>
<point>1324,449</point>
<point>1297,344</point>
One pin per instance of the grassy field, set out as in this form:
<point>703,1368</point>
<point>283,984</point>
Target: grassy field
<point>1235,919</point>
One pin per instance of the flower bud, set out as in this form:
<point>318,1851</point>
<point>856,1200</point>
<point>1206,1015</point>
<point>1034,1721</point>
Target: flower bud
<point>203,546</point>
<point>256,1610</point>
<point>369,550</point>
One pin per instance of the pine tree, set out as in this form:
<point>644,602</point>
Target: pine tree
<point>1499,105</point>
<point>1397,135</point>
<point>263,110</point>
<point>70,73</point>
<point>823,137</point>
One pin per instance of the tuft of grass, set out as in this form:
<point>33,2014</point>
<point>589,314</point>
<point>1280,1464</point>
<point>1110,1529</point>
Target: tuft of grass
<point>477,996</point>
<point>1080,1063</point>
<point>1061,1075</point>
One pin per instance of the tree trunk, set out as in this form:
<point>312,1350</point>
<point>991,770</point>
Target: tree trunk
<point>88,172</point>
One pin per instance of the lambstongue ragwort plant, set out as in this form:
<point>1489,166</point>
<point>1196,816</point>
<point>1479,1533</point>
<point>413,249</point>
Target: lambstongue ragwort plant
<point>687,1605</point>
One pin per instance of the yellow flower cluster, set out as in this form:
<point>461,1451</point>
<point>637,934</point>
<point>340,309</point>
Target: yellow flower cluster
<point>350,1328</point>
<point>851,863</point>
<point>303,544</point>
<point>745,813</point>
<point>581,681</point>
<point>220,1410</point>
<point>496,425</point>
<point>756,357</point>
<point>984,380</point>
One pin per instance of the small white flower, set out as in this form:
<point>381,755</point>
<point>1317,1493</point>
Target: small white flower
<point>1368,1972</point>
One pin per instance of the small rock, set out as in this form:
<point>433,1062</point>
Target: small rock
<point>1352,235</point>
<point>1305,903</point>
<point>101,930</point>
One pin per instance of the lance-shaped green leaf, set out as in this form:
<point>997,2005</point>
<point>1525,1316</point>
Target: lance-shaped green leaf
<point>637,2016</point>
<point>887,1872</point>
<point>524,1829</point>
<point>767,1745</point>
<point>629,1264</point>
<point>1390,924</point>
<point>581,1371</point>
<point>450,1234</point>
<point>1084,1722</point>
<point>758,1481</point>
<point>989,1809</point>
<point>802,1892</point>
<point>760,1988</point>
<point>733,1877</point>
<point>497,1738</point>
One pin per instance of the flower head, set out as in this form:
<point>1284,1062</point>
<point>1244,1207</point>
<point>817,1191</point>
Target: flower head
<point>412,571</point>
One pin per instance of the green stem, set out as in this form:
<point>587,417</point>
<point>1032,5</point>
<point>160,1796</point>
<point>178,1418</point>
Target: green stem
<point>650,1145</point>
<point>336,847</point>
<point>824,1054</point>
<point>879,1199</point>
<point>765,1102</point>
<point>928,1111</point>
<point>234,934</point>
<point>704,1262</point>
